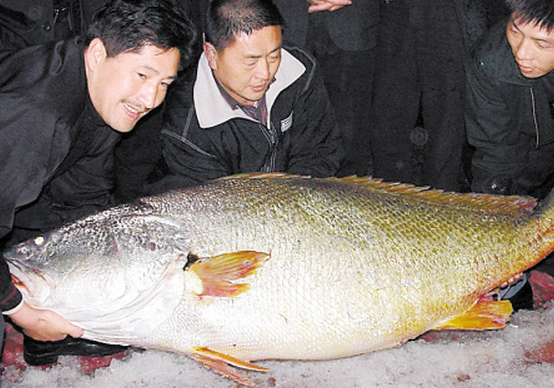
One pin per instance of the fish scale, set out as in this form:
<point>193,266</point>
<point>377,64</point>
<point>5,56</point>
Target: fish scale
<point>345,266</point>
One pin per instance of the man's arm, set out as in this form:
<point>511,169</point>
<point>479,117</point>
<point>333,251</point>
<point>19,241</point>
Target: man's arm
<point>189,164</point>
<point>317,147</point>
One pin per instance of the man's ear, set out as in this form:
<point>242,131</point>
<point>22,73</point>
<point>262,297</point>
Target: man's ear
<point>211,54</point>
<point>95,53</point>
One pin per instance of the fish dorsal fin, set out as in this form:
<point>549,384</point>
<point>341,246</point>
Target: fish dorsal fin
<point>497,204</point>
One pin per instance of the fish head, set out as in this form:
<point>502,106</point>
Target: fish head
<point>112,262</point>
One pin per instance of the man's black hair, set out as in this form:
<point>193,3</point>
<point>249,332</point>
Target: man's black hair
<point>538,12</point>
<point>128,25</point>
<point>227,19</point>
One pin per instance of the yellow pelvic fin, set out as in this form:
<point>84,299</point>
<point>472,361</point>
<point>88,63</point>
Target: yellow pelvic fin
<point>484,315</point>
<point>223,364</point>
<point>218,272</point>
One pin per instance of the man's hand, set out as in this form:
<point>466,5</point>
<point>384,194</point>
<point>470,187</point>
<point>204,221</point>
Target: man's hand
<point>44,325</point>
<point>327,5</point>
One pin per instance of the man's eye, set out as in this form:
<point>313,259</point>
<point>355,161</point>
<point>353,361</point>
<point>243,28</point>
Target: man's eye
<point>142,75</point>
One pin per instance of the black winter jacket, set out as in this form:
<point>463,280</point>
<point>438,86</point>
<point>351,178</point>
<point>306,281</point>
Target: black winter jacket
<point>204,138</point>
<point>508,121</point>
<point>53,144</point>
<point>25,23</point>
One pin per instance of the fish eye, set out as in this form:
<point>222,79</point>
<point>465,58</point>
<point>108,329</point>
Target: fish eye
<point>39,241</point>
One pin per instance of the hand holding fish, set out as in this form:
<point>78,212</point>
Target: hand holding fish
<point>44,325</point>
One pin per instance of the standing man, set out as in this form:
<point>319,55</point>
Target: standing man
<point>62,109</point>
<point>510,106</point>
<point>342,36</point>
<point>252,106</point>
<point>417,115</point>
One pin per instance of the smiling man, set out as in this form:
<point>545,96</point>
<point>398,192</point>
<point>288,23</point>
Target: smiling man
<point>63,107</point>
<point>124,88</point>
<point>510,108</point>
<point>251,106</point>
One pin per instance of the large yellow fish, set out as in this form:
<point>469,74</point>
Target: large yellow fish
<point>258,267</point>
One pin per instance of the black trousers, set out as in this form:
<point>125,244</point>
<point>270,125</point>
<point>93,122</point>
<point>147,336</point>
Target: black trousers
<point>348,78</point>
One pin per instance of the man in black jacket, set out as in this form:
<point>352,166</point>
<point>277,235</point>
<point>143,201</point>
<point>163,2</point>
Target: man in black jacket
<point>25,23</point>
<point>62,107</point>
<point>510,106</point>
<point>510,91</point>
<point>416,120</point>
<point>252,106</point>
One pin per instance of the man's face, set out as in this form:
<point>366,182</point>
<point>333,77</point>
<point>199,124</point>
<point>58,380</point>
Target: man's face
<point>533,47</point>
<point>127,86</point>
<point>246,67</point>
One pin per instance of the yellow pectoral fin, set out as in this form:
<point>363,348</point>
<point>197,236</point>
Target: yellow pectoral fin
<point>484,315</point>
<point>223,364</point>
<point>218,272</point>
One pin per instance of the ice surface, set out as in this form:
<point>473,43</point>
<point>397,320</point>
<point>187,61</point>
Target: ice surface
<point>456,359</point>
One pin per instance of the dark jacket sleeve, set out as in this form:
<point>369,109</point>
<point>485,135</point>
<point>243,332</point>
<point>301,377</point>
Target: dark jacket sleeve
<point>26,142</point>
<point>32,145</point>
<point>10,297</point>
<point>188,162</point>
<point>316,144</point>
<point>83,188</point>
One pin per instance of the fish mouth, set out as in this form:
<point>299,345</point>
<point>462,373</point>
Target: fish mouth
<point>23,276</point>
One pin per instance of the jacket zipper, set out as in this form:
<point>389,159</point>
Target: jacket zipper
<point>272,139</point>
<point>535,121</point>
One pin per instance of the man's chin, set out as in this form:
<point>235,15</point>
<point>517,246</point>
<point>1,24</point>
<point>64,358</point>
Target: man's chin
<point>123,126</point>
<point>531,72</point>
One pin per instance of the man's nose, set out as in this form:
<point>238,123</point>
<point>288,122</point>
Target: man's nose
<point>523,50</point>
<point>262,70</point>
<point>149,96</point>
